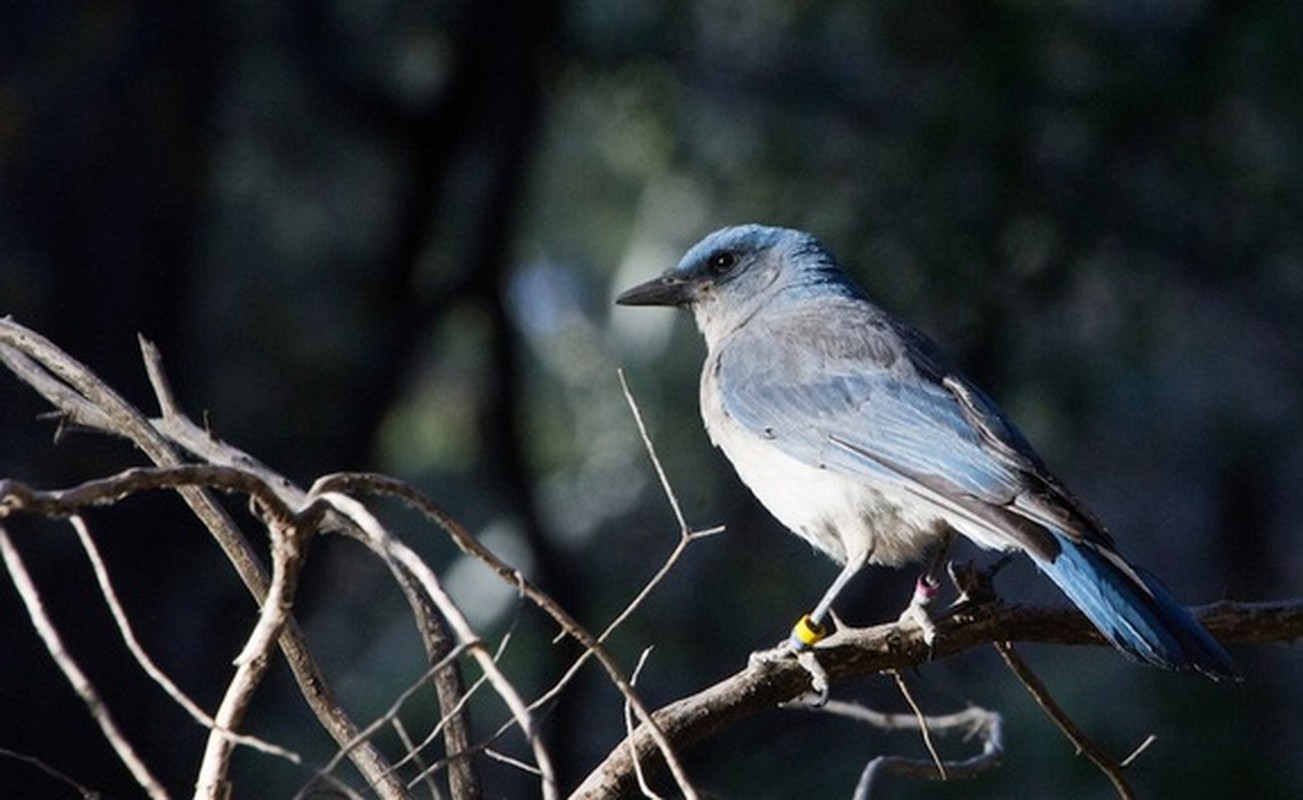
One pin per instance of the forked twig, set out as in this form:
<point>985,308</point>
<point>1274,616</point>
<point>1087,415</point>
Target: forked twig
<point>686,537</point>
<point>395,552</point>
<point>386,486</point>
<point>82,398</point>
<point>1037,689</point>
<point>987,726</point>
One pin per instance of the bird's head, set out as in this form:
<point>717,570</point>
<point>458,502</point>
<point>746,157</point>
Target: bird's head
<point>729,275</point>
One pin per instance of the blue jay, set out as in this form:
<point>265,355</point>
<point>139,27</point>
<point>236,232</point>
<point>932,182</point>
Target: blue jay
<point>854,430</point>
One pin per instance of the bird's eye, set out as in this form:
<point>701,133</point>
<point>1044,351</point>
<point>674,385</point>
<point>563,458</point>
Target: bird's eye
<point>721,262</point>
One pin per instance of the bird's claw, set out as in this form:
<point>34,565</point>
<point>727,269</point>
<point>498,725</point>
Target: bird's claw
<point>916,613</point>
<point>818,694</point>
<point>800,643</point>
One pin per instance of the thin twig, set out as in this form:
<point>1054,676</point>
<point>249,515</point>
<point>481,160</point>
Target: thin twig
<point>1036,688</point>
<point>254,659</point>
<point>515,762</point>
<point>85,792</point>
<point>394,551</point>
<point>414,753</point>
<point>651,451</point>
<point>147,664</point>
<point>389,715</point>
<point>68,665</point>
<point>383,485</point>
<point>643,785</point>
<point>923,728</point>
<point>452,713</point>
<point>1136,753</point>
<point>972,721</point>
<point>686,537</point>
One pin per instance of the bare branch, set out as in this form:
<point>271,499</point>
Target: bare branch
<point>1037,689</point>
<point>254,659</point>
<point>68,665</point>
<point>83,399</point>
<point>380,484</point>
<point>395,551</point>
<point>147,664</point>
<point>293,515</point>
<point>855,652</point>
<point>389,716</point>
<point>986,725</point>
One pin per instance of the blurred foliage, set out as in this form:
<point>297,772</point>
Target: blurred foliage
<point>385,235</point>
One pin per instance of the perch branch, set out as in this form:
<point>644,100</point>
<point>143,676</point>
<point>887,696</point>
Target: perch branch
<point>856,652</point>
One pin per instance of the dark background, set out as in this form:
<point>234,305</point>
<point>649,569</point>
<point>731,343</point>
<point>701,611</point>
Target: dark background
<point>377,235</point>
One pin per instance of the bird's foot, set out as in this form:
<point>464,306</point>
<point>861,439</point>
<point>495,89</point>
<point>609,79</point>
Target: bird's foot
<point>818,694</point>
<point>806,633</point>
<point>800,644</point>
<point>926,589</point>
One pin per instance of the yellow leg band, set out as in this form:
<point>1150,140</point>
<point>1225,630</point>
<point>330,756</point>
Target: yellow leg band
<point>807,632</point>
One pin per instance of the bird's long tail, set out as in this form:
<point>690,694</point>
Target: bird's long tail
<point>1134,611</point>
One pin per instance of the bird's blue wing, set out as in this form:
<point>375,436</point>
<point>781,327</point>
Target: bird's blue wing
<point>866,397</point>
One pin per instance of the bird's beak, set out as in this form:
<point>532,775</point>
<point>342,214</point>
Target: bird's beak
<point>667,290</point>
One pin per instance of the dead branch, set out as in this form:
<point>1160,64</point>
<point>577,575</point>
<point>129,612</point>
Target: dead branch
<point>82,399</point>
<point>1037,689</point>
<point>72,671</point>
<point>380,484</point>
<point>972,722</point>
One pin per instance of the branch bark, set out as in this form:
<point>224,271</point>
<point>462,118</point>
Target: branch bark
<point>852,653</point>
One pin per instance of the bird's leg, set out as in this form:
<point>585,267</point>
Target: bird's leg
<point>810,628</point>
<point>926,589</point>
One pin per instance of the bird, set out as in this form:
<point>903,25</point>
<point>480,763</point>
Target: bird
<point>858,434</point>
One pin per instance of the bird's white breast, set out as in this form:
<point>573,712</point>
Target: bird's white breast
<point>842,516</point>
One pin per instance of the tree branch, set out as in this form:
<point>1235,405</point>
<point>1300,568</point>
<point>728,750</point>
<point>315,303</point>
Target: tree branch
<point>1036,688</point>
<point>852,653</point>
<point>292,513</point>
<point>76,677</point>
<point>81,398</point>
